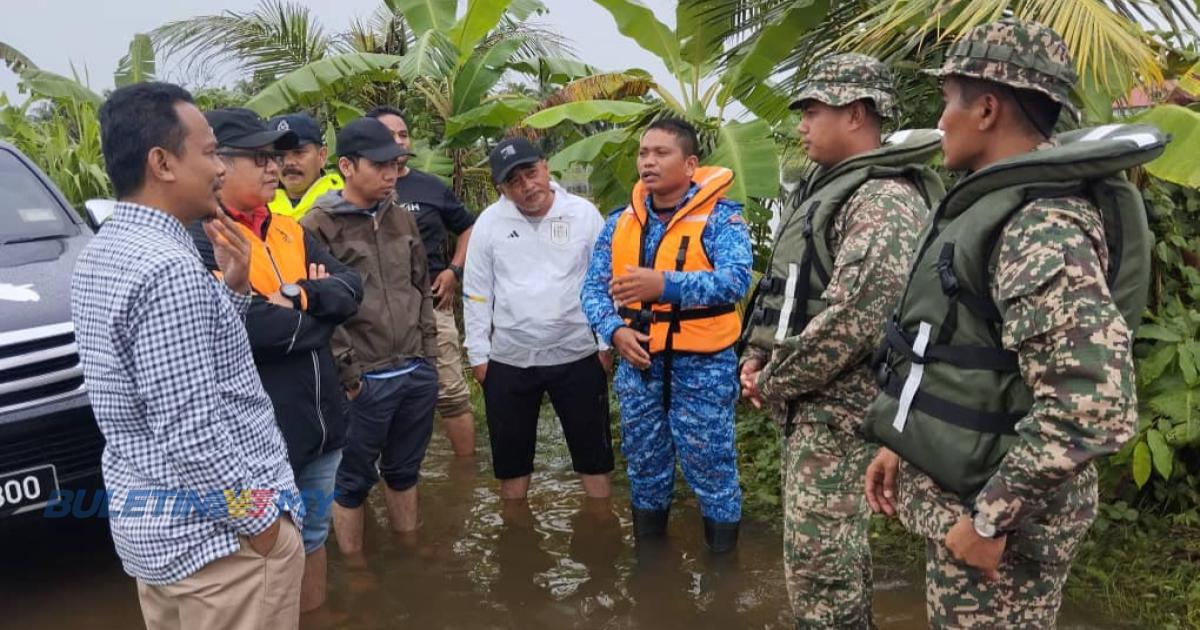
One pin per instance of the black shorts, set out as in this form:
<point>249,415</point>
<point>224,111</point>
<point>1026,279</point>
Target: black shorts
<point>579,393</point>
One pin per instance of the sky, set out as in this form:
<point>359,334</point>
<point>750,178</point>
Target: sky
<point>58,33</point>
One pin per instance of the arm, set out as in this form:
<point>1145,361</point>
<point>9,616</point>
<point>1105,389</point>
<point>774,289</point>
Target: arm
<point>879,227</point>
<point>341,343</point>
<point>1074,352</point>
<point>478,278</point>
<point>174,353</point>
<point>419,263</point>
<point>727,240</point>
<point>460,222</point>
<point>336,298</point>
<point>594,226</point>
<point>274,331</point>
<point>595,296</point>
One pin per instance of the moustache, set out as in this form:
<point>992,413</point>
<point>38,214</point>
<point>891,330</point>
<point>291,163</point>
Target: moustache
<point>291,171</point>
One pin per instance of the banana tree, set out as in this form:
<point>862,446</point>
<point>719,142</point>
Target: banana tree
<point>693,53</point>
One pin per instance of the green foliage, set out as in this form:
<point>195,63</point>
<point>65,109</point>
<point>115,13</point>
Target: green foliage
<point>316,82</point>
<point>64,141</point>
<point>137,66</point>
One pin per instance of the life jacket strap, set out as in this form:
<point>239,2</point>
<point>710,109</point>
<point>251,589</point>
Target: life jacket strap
<point>954,413</point>
<point>966,357</point>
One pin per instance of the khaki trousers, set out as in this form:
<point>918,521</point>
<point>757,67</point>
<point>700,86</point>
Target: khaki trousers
<point>242,591</point>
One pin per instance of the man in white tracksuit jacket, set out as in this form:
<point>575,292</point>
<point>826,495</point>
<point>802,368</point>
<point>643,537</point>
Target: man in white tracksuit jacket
<point>526,334</point>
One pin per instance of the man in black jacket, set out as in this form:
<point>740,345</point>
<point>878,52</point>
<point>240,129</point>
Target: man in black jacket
<point>301,295</point>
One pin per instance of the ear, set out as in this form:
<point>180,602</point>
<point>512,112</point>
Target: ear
<point>857,115</point>
<point>345,166</point>
<point>160,165</point>
<point>323,153</point>
<point>987,110</point>
<point>691,163</point>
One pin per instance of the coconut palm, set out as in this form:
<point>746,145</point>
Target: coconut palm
<point>1113,50</point>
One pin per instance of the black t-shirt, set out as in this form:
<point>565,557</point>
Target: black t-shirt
<point>436,210</point>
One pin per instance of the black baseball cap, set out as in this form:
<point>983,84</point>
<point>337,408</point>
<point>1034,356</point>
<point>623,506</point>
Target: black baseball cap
<point>510,154</point>
<point>370,139</point>
<point>306,128</point>
<point>241,128</point>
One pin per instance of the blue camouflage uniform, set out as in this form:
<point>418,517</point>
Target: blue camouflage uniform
<point>704,387</point>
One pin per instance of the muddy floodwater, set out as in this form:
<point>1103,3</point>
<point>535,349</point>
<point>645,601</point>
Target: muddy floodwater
<point>556,562</point>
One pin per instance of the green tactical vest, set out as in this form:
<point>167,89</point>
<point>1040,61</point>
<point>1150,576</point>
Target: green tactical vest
<point>789,295</point>
<point>952,395</point>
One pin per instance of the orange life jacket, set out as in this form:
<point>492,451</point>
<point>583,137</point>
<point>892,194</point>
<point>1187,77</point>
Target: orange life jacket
<point>278,257</point>
<point>704,329</point>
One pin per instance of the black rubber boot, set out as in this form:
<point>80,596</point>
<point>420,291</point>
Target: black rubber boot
<point>649,524</point>
<point>720,537</point>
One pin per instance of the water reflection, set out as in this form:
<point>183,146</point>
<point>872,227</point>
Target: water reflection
<point>558,560</point>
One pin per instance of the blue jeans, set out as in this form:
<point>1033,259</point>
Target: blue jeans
<point>315,482</point>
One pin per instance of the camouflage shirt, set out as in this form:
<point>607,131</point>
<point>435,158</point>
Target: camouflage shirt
<point>825,366</point>
<point>1074,352</point>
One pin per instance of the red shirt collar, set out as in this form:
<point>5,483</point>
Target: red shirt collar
<point>254,220</point>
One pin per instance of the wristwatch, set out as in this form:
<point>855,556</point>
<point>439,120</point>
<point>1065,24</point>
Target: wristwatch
<point>458,271</point>
<point>292,292</point>
<point>983,527</point>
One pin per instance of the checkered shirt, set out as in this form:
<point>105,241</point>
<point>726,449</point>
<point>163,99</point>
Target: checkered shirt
<point>174,389</point>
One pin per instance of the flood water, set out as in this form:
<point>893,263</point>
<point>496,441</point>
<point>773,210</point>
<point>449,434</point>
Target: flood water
<point>477,562</point>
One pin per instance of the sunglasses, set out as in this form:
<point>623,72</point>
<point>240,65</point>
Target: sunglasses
<point>260,157</point>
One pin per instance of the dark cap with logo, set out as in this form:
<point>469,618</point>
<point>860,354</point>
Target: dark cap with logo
<point>509,154</point>
<point>368,138</point>
<point>240,128</point>
<point>306,128</point>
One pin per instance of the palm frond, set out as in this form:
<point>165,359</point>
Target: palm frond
<point>16,60</point>
<point>277,37</point>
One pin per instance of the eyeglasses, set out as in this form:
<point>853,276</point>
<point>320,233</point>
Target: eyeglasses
<point>261,158</point>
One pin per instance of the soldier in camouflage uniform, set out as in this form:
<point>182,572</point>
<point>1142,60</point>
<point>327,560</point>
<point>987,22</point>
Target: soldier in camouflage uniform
<point>1004,565</point>
<point>818,381</point>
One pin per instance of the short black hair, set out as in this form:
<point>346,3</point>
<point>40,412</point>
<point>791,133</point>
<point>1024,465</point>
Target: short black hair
<point>384,110</point>
<point>134,120</point>
<point>1039,111</point>
<point>683,131</point>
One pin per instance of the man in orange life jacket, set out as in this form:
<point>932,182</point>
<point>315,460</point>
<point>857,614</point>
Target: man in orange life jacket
<point>662,284</point>
<point>301,295</point>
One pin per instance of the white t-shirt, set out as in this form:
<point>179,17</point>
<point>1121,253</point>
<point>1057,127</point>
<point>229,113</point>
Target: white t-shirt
<point>522,280</point>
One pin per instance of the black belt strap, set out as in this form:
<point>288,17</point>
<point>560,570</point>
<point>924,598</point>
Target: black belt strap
<point>966,357</point>
<point>674,313</point>
<point>683,315</point>
<point>954,413</point>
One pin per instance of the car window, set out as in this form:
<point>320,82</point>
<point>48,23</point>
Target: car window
<point>27,210</point>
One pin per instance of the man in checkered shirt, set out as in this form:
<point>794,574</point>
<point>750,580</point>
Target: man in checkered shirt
<point>173,384</point>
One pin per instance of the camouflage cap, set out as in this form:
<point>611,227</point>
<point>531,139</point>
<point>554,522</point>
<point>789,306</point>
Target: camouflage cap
<point>1019,54</point>
<point>842,79</point>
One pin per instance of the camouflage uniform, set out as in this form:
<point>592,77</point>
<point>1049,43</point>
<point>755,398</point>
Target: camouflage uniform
<point>1074,352</point>
<point>822,377</point>
<point>704,387</point>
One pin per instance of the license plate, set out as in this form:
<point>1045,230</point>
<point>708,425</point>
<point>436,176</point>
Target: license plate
<point>28,489</point>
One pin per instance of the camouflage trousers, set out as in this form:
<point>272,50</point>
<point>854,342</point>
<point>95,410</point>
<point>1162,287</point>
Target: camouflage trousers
<point>1033,569</point>
<point>826,554</point>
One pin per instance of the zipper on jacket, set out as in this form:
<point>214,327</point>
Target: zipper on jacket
<point>387,295</point>
<point>320,415</point>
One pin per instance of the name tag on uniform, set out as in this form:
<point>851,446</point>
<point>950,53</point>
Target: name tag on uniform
<point>560,232</point>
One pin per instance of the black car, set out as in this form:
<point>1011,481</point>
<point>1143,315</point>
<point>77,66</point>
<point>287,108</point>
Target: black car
<point>48,436</point>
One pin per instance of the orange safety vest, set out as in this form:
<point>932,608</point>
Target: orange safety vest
<point>278,258</point>
<point>705,329</point>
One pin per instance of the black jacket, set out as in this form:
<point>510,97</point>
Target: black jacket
<point>292,354</point>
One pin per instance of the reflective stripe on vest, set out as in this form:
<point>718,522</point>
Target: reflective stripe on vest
<point>706,329</point>
<point>952,396</point>
<point>789,295</point>
<point>282,205</point>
